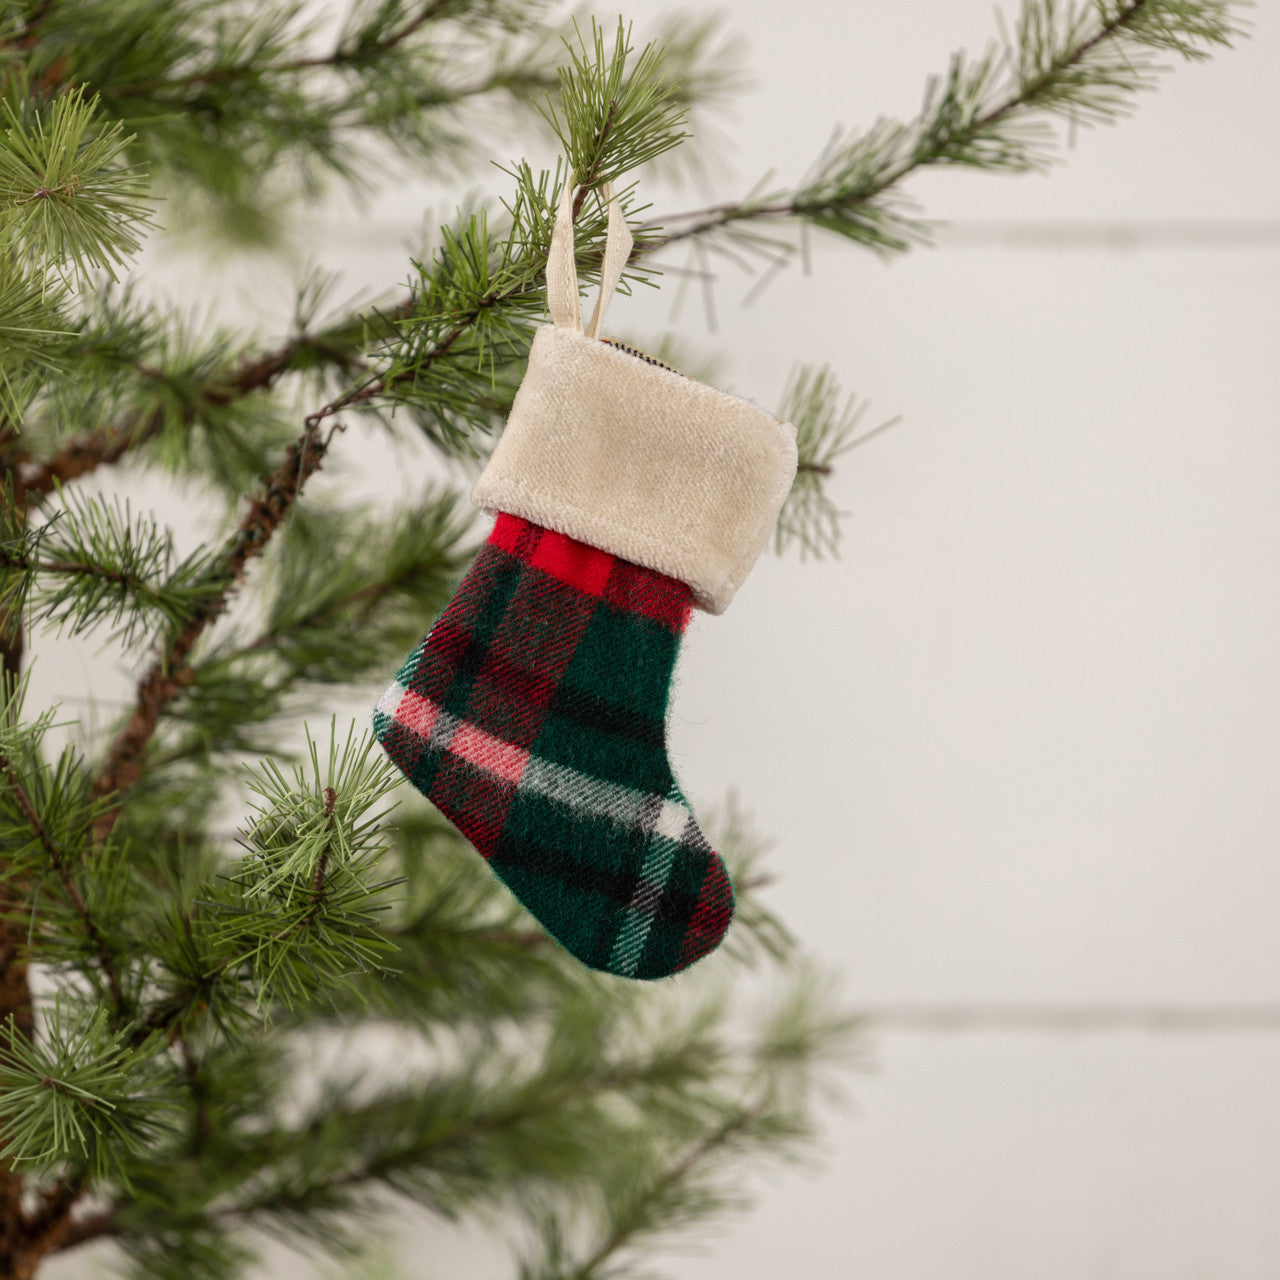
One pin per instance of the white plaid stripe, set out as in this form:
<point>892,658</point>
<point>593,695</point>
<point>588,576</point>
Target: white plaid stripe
<point>658,860</point>
<point>390,699</point>
<point>442,731</point>
<point>591,796</point>
<point>580,791</point>
<point>672,820</point>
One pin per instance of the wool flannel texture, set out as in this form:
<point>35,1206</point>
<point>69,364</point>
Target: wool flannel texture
<point>533,716</point>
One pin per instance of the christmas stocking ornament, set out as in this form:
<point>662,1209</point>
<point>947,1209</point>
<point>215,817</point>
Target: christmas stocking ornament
<point>533,715</point>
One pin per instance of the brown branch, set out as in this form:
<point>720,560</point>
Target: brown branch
<point>15,988</point>
<point>108,444</point>
<point>52,1229</point>
<point>191,1070</point>
<point>15,1003</point>
<point>47,1228</point>
<point>322,862</point>
<point>91,1227</point>
<point>71,568</point>
<point>87,453</point>
<point>171,672</point>
<point>587,180</point>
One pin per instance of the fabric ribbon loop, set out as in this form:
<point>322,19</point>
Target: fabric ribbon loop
<point>562,271</point>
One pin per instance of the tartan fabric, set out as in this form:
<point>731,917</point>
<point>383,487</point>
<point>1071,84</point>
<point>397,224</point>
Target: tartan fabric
<point>533,716</point>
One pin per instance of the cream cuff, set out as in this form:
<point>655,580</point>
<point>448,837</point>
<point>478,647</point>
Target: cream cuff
<point>641,462</point>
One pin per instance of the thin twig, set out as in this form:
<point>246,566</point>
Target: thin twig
<point>46,1231</point>
<point>337,57</point>
<point>109,444</point>
<point>634,1220</point>
<point>91,1227</point>
<point>191,1070</point>
<point>171,671</point>
<point>718,215</point>
<point>101,951</point>
<point>587,180</point>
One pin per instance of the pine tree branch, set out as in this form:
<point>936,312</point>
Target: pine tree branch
<point>1123,18</point>
<point>382,1167</point>
<point>107,445</point>
<point>713,217</point>
<point>587,180</point>
<point>635,1219</point>
<point>171,672</point>
<point>87,453</point>
<point>370,595</point>
<point>318,882</point>
<point>336,57</point>
<point>517,81</point>
<point>428,13</point>
<point>514,79</point>
<point>29,34</point>
<point>169,1015</point>
<point>74,569</point>
<point>94,935</point>
<point>379,386</point>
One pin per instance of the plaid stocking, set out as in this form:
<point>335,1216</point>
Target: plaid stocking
<point>533,716</point>
<point>534,713</point>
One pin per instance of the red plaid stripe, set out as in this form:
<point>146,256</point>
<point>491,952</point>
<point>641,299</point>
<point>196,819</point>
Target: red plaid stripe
<point>596,573</point>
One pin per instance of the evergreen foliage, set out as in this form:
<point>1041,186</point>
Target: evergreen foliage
<point>294,1027</point>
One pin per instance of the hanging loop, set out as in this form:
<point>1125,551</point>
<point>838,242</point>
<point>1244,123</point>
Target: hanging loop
<point>562,271</point>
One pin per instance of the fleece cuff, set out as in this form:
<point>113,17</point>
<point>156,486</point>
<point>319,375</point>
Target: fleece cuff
<point>641,462</point>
